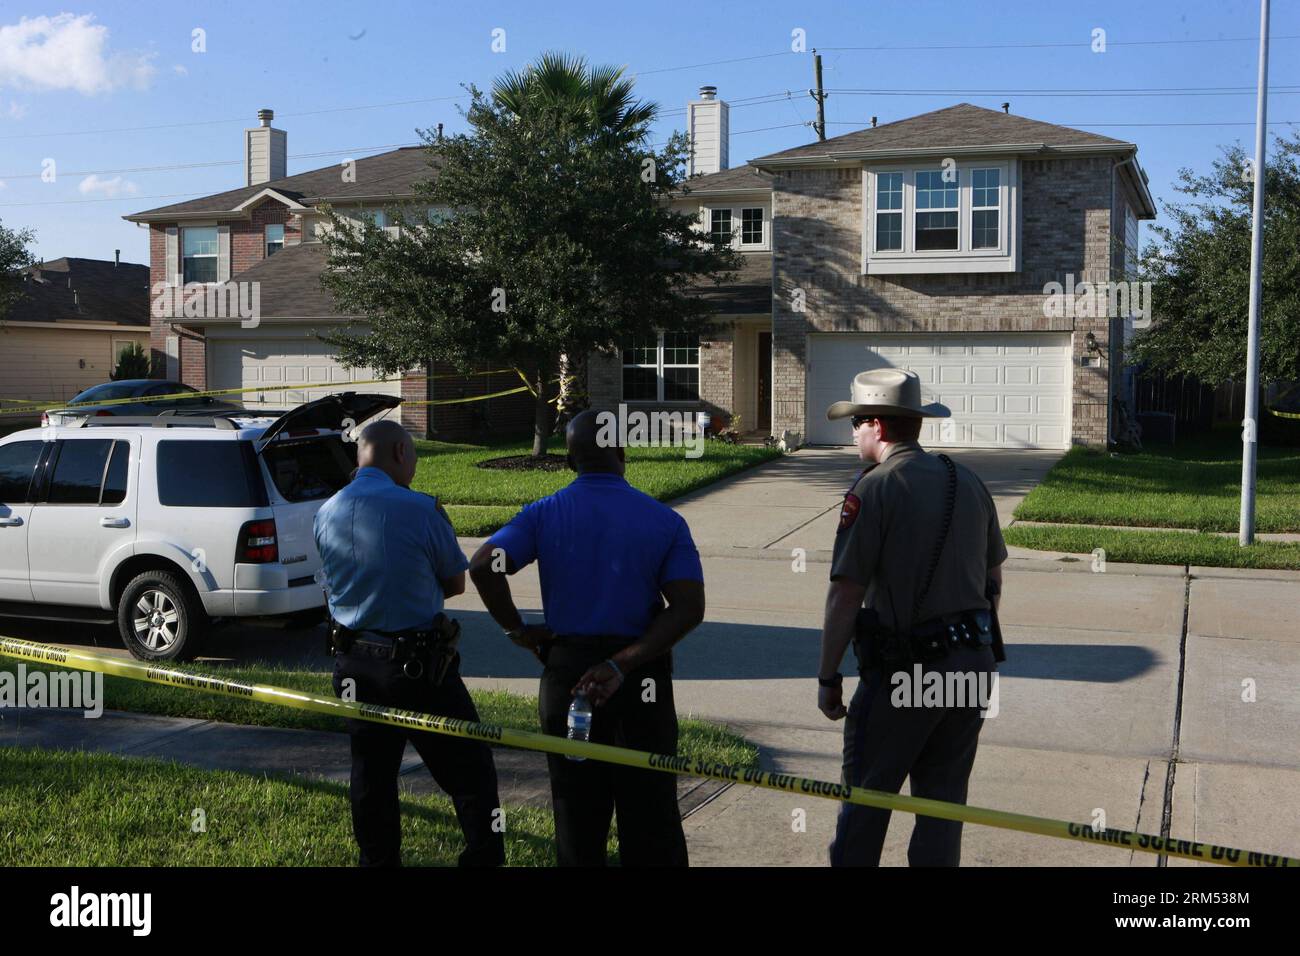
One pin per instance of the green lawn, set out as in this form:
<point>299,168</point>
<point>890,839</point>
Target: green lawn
<point>1157,547</point>
<point>1193,484</point>
<point>63,808</point>
<point>480,500</point>
<point>698,739</point>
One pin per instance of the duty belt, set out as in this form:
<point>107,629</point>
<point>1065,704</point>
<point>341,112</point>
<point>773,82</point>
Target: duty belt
<point>419,651</point>
<point>927,641</point>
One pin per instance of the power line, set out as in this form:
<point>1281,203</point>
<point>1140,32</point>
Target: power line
<point>860,124</point>
<point>1048,45</point>
<point>215,162</point>
<point>1154,91</point>
<point>695,66</point>
<point>141,129</point>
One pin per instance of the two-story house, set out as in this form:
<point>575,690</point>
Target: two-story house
<point>260,245</point>
<point>933,244</point>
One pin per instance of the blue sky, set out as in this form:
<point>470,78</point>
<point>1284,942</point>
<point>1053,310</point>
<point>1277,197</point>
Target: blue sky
<point>77,86</point>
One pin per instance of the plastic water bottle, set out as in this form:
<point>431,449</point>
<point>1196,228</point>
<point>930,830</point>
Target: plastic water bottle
<point>579,721</point>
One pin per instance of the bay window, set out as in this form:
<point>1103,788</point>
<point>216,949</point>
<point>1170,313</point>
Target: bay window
<point>941,217</point>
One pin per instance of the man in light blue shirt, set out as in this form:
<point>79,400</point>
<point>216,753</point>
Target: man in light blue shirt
<point>390,557</point>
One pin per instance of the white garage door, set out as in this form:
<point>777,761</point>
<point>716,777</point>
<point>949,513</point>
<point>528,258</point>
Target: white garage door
<point>1004,390</point>
<point>289,361</point>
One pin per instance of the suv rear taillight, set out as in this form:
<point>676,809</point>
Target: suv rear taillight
<point>257,543</point>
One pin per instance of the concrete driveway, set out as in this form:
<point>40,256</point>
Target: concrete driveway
<point>794,502</point>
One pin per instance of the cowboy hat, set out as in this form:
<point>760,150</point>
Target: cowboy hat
<point>887,391</point>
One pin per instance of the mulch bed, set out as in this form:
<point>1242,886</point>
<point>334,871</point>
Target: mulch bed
<point>527,463</point>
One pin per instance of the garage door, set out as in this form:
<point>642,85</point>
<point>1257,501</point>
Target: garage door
<point>290,361</point>
<point>1005,391</point>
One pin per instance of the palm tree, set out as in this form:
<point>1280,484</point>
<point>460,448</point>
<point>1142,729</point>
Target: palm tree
<point>599,102</point>
<point>599,99</point>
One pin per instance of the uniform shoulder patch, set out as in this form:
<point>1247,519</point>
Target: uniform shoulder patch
<point>849,511</point>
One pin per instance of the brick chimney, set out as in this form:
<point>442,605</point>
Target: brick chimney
<point>265,150</point>
<point>706,125</point>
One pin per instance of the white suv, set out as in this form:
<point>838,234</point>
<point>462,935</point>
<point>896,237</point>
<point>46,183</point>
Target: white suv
<point>172,520</point>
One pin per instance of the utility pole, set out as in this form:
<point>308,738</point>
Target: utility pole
<point>820,96</point>
<point>1250,425</point>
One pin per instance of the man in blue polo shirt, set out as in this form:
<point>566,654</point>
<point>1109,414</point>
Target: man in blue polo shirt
<point>621,584</point>
<point>389,557</point>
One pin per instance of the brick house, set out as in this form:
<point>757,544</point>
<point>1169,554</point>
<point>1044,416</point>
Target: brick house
<point>931,244</point>
<point>265,236</point>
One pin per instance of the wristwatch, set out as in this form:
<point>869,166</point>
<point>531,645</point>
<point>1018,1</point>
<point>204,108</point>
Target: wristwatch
<point>835,681</point>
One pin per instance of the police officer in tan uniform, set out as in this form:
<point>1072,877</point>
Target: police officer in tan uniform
<point>914,585</point>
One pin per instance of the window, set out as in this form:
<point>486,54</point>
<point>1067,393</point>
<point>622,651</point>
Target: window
<point>751,227</point>
<point>274,239</point>
<point>200,254</point>
<point>985,207</point>
<point>115,477</point>
<point>209,474</point>
<point>90,471</point>
<point>934,229</point>
<point>720,226</point>
<point>375,216</point>
<point>17,462</point>
<point>312,468</point>
<point>949,218</point>
<point>662,368</point>
<point>889,224</point>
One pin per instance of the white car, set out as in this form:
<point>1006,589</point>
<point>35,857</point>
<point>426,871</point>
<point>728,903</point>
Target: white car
<point>172,520</point>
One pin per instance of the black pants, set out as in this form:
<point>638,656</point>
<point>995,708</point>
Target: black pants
<point>585,794</point>
<point>885,744</point>
<point>463,768</point>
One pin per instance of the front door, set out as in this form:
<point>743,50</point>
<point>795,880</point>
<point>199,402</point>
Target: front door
<point>764,379</point>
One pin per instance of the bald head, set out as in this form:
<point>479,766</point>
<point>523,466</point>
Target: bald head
<point>386,445</point>
<point>586,450</point>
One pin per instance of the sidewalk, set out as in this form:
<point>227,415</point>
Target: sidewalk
<point>521,774</point>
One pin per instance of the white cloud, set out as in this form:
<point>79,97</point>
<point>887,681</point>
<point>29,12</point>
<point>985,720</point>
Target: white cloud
<point>179,70</point>
<point>67,52</point>
<point>110,188</point>
<point>16,110</point>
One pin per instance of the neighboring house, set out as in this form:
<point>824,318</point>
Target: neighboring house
<point>928,244</point>
<point>265,237</point>
<point>65,333</point>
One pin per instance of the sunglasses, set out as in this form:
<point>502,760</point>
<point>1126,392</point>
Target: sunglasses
<point>859,420</point>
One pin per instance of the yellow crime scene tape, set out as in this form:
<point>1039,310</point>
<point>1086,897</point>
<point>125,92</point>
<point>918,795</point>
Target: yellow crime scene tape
<point>299,386</point>
<point>532,740</point>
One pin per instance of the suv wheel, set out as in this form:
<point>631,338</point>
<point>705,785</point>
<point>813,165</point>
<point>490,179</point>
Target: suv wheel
<point>160,618</point>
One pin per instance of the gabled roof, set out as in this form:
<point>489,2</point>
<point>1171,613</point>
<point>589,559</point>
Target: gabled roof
<point>116,294</point>
<point>384,177</point>
<point>962,127</point>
